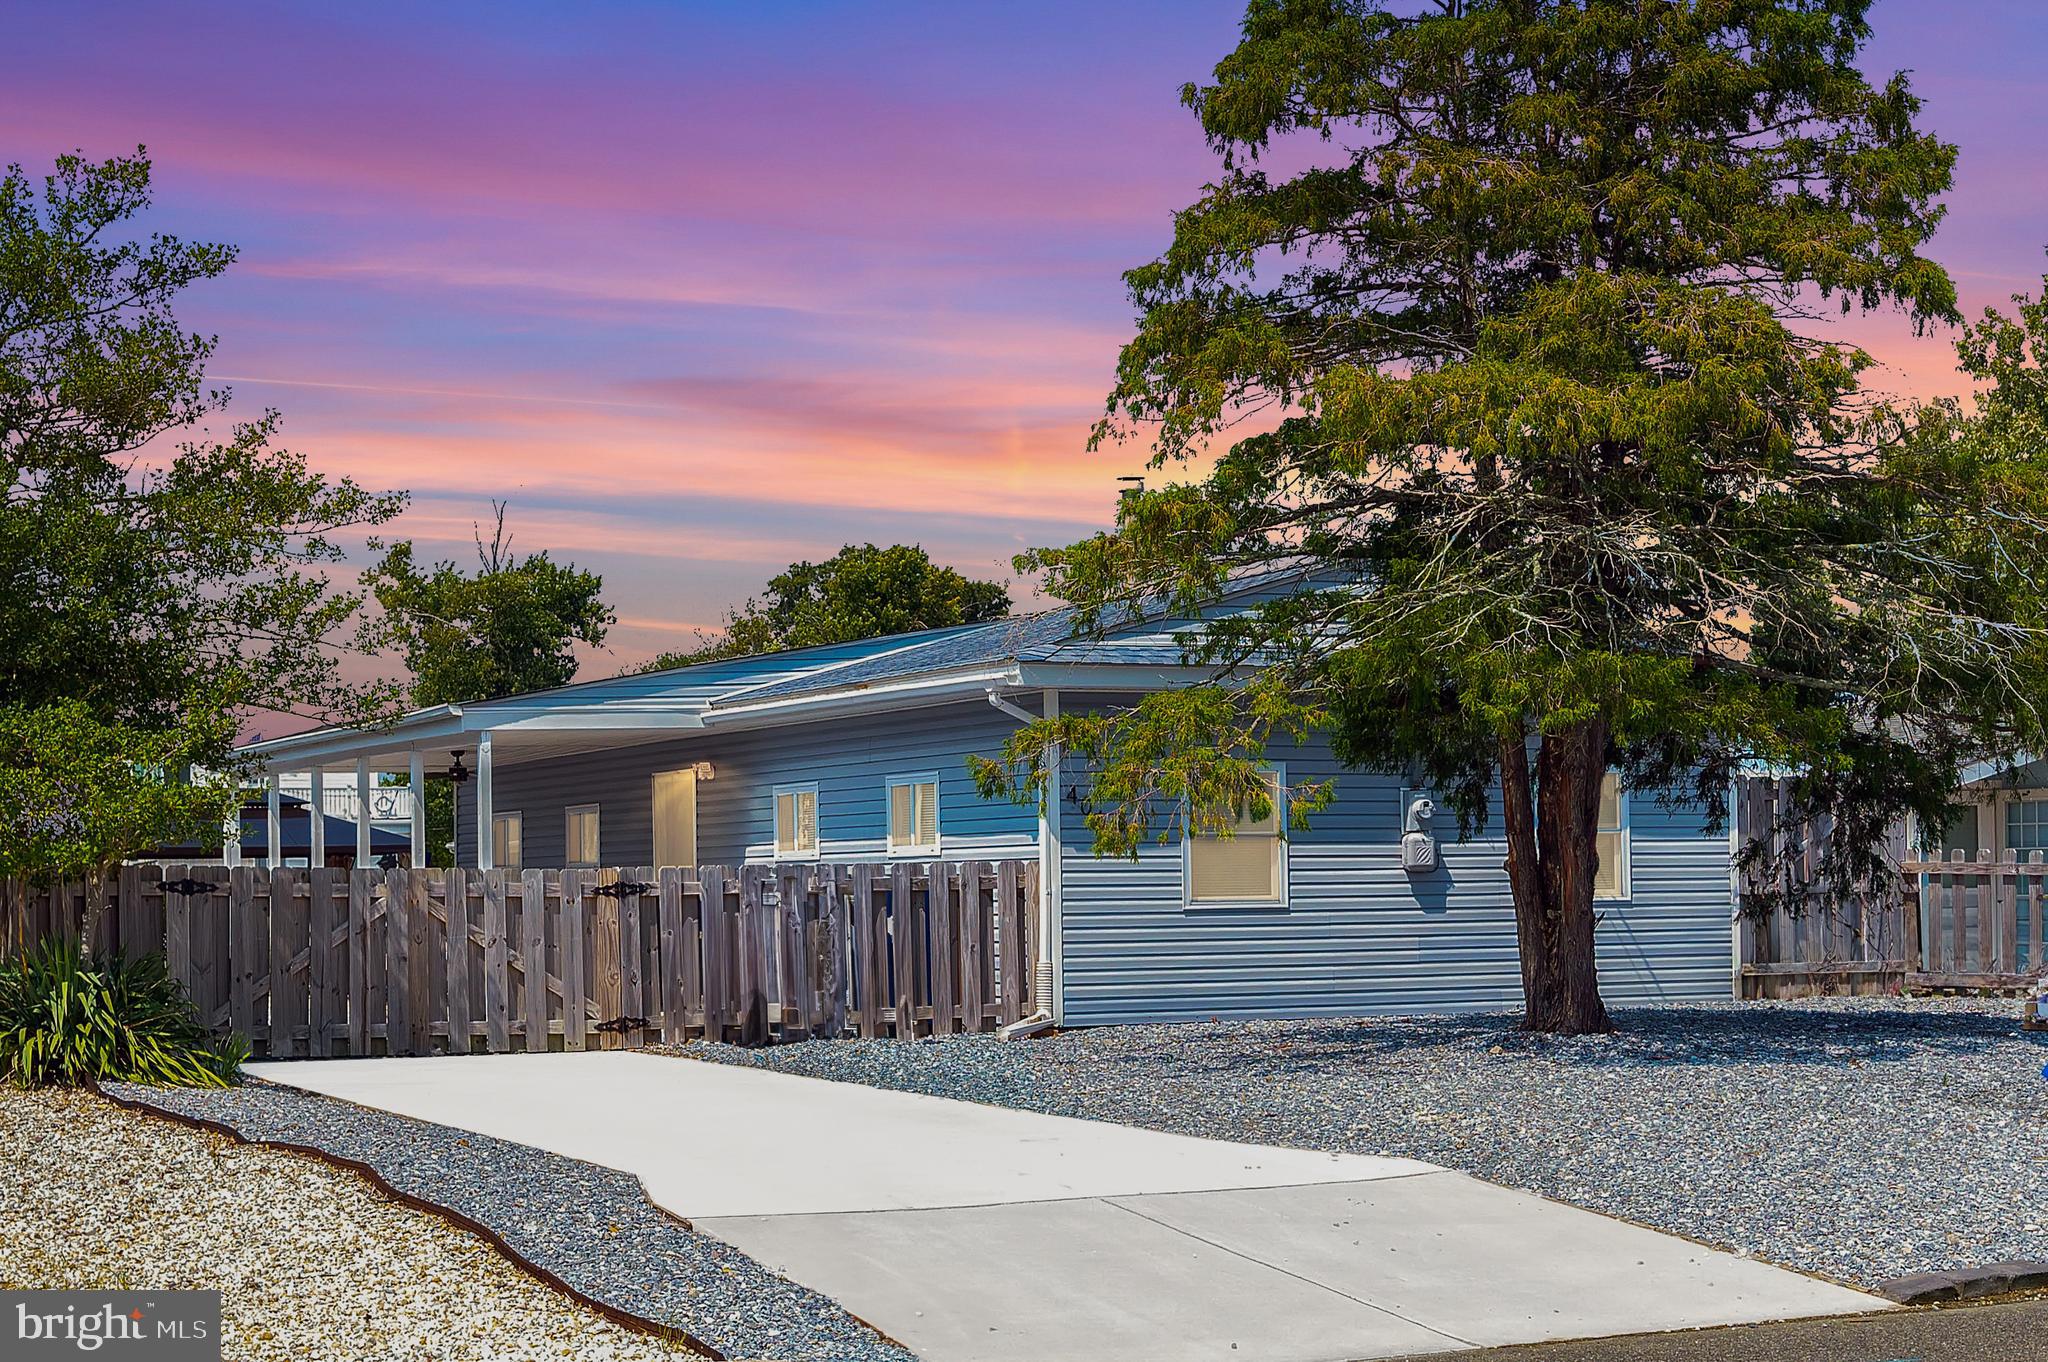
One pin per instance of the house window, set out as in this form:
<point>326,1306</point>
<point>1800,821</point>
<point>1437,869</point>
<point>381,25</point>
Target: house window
<point>913,815</point>
<point>580,842</point>
<point>2026,826</point>
<point>508,842</point>
<point>1611,880</point>
<point>796,821</point>
<point>1248,867</point>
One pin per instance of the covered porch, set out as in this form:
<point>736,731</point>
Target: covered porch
<point>463,746</point>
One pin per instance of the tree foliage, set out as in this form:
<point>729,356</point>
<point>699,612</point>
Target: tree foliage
<point>508,628</point>
<point>860,592</point>
<point>1525,378</point>
<point>147,567</point>
<point>156,579</point>
<point>78,794</point>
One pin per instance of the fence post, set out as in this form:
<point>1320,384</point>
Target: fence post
<point>669,945</point>
<point>573,952</point>
<point>456,963</point>
<point>533,956</point>
<point>497,964</point>
<point>1910,897</point>
<point>754,960</point>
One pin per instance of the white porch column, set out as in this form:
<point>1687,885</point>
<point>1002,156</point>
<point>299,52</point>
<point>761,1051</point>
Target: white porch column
<point>362,813</point>
<point>316,795</point>
<point>483,800</point>
<point>273,829</point>
<point>1052,987</point>
<point>231,832</point>
<point>416,778</point>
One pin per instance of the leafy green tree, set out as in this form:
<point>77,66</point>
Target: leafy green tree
<point>509,628</point>
<point>78,794</point>
<point>1571,477</point>
<point>155,579</point>
<point>860,592</point>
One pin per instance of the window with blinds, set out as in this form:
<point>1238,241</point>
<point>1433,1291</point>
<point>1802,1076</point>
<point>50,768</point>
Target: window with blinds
<point>580,843</point>
<point>507,843</point>
<point>1248,867</point>
<point>796,821</point>
<point>1611,880</point>
<point>914,814</point>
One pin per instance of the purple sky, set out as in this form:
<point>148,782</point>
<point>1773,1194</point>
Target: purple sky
<point>705,288</point>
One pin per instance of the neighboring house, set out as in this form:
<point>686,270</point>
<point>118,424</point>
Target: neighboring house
<point>295,837</point>
<point>858,752</point>
<point>2004,811</point>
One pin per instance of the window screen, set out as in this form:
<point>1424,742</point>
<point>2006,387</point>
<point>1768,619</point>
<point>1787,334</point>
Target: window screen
<point>914,815</point>
<point>507,841</point>
<point>580,842</point>
<point>1245,868</point>
<point>796,822</point>
<point>1611,880</point>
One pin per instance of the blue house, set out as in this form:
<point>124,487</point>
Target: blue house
<point>857,752</point>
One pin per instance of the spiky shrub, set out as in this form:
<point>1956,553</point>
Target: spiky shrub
<point>66,1019</point>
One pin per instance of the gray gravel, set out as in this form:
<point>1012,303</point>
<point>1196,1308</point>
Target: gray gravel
<point>1861,1139</point>
<point>313,1263</point>
<point>591,1226</point>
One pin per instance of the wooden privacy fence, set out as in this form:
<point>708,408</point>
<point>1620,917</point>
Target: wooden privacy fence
<point>327,961</point>
<point>1808,944</point>
<point>1975,923</point>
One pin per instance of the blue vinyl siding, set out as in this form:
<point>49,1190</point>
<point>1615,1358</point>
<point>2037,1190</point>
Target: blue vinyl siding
<point>1359,935</point>
<point>851,760</point>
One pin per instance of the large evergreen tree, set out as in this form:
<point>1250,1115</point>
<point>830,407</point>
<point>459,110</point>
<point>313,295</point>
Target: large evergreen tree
<point>160,578</point>
<point>1548,419</point>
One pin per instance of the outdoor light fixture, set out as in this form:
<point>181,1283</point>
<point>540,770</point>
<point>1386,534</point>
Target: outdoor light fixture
<point>457,772</point>
<point>704,770</point>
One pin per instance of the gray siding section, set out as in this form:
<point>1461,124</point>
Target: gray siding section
<point>850,759</point>
<point>1359,935</point>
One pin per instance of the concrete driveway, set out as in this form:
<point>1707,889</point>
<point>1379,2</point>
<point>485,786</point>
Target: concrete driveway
<point>972,1232</point>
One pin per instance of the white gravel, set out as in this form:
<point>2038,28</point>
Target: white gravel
<point>1862,1139</point>
<point>314,1263</point>
<point>588,1226</point>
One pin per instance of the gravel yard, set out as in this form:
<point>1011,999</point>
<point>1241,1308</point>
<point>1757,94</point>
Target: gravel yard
<point>314,1263</point>
<point>590,1226</point>
<point>1861,1139</point>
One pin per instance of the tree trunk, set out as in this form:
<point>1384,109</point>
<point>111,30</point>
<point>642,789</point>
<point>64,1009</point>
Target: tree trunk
<point>1552,816</point>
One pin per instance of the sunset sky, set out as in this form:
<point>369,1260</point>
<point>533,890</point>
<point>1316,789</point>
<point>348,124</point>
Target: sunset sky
<point>704,288</point>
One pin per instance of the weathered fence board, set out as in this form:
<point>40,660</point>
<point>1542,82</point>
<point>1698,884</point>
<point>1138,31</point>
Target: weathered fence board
<point>1975,923</point>
<point>405,961</point>
<point>1809,943</point>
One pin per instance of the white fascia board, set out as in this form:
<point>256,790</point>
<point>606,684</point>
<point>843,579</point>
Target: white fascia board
<point>300,751</point>
<point>614,718</point>
<point>1110,676</point>
<point>926,689</point>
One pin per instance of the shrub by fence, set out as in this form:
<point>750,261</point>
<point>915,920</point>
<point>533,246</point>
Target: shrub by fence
<point>325,961</point>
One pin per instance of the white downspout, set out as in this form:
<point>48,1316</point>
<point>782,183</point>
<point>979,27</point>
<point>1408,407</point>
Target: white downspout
<point>1046,967</point>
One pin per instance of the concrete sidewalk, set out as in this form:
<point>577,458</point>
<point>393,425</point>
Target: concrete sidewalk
<point>975,1232</point>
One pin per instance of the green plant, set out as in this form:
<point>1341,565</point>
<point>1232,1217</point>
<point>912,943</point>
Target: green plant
<point>66,1019</point>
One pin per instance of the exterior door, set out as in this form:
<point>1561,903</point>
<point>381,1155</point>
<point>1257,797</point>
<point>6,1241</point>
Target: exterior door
<point>675,817</point>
